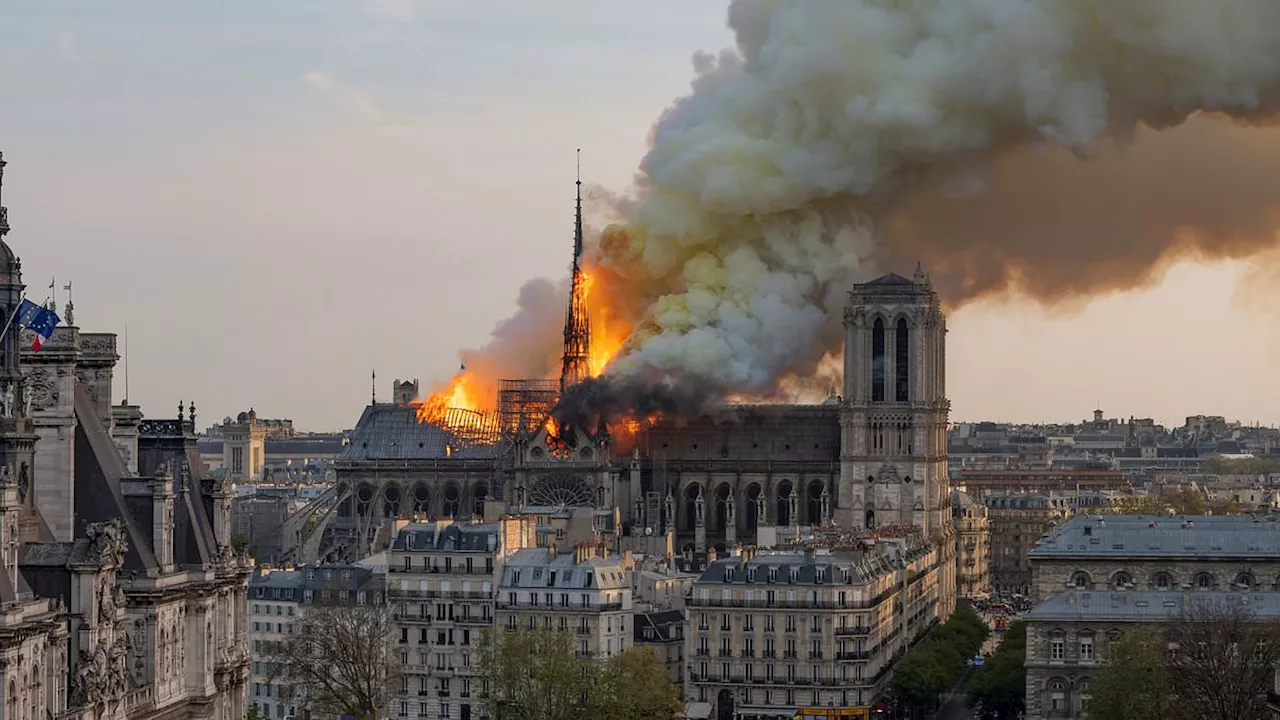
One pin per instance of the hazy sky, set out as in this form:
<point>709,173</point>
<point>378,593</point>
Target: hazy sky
<point>277,197</point>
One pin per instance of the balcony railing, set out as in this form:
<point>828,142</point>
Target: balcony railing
<point>853,630</point>
<point>787,604</point>
<point>397,593</point>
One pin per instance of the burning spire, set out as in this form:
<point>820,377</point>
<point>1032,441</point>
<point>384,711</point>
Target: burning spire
<point>577,324</point>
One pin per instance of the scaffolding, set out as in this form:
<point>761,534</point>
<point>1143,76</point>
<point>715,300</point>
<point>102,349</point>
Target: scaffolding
<point>471,427</point>
<point>523,405</point>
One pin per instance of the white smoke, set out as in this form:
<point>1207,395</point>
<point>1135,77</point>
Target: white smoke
<point>763,188</point>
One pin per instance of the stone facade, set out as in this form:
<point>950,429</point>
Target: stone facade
<point>1016,522</point>
<point>973,546</point>
<point>1096,577</point>
<point>769,633</point>
<point>120,596</point>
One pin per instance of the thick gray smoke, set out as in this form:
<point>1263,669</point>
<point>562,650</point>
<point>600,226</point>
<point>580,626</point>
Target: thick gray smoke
<point>982,136</point>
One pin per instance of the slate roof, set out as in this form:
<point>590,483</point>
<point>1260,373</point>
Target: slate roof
<point>392,432</point>
<point>1216,536</point>
<point>1149,605</point>
<point>660,625</point>
<point>891,279</point>
<point>862,567</point>
<point>535,565</point>
<point>451,537</point>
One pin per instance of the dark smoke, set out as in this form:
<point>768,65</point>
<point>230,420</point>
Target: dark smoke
<point>612,399</point>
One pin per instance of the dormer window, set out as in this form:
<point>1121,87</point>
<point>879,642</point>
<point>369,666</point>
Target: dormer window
<point>819,575</point>
<point>795,575</point>
<point>751,574</point>
<point>773,575</point>
<point>728,574</point>
<point>408,540</point>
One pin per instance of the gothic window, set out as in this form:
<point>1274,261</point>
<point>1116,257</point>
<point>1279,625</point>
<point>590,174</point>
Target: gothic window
<point>1162,581</point>
<point>391,501</point>
<point>1245,581</point>
<point>877,361</point>
<point>1121,580</point>
<point>1204,581</point>
<point>784,503</point>
<point>1081,581</point>
<point>902,363</point>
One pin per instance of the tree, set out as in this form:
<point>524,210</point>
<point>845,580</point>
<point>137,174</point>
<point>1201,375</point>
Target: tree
<point>1222,660</point>
<point>999,687</point>
<point>1131,685</point>
<point>1184,501</point>
<point>253,713</point>
<point>635,686</point>
<point>533,675</point>
<point>937,662</point>
<point>338,660</point>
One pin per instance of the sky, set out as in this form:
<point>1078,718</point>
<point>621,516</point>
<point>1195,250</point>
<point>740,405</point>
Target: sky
<point>277,199</point>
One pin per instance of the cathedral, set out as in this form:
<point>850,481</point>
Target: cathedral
<point>121,595</point>
<point>870,459</point>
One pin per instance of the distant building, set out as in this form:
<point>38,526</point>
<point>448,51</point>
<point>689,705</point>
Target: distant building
<point>973,546</point>
<point>1016,522</point>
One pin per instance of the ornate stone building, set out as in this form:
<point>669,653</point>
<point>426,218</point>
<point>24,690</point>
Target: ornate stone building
<point>121,596</point>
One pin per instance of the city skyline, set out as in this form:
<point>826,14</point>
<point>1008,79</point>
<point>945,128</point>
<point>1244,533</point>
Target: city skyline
<point>277,202</point>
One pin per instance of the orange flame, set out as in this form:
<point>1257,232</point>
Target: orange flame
<point>477,392</point>
<point>458,394</point>
<point>608,330</point>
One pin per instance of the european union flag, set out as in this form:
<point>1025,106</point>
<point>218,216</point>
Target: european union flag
<point>39,320</point>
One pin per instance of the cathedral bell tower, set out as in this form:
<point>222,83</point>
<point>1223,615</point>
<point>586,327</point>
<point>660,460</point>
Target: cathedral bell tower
<point>893,419</point>
<point>17,435</point>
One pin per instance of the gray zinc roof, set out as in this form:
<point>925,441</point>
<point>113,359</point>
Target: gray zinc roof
<point>1148,605</point>
<point>1220,536</point>
<point>447,537</point>
<point>862,569</point>
<point>535,565</point>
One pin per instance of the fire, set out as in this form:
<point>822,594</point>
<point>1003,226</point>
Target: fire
<point>609,331</point>
<point>459,394</point>
<point>474,394</point>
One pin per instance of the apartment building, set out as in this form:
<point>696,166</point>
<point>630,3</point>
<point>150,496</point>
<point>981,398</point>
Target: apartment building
<point>973,546</point>
<point>583,590</point>
<point>663,632</point>
<point>1098,577</point>
<point>769,633</point>
<point>276,600</point>
<point>441,580</point>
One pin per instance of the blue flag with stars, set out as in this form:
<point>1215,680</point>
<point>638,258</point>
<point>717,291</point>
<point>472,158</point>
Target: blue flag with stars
<point>39,320</point>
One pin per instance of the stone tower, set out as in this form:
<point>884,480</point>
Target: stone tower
<point>893,420</point>
<point>17,436</point>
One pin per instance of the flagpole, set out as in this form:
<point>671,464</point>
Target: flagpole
<point>12,317</point>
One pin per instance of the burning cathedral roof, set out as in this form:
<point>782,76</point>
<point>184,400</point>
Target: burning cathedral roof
<point>394,432</point>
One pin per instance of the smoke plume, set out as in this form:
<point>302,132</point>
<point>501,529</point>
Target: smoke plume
<point>1035,146</point>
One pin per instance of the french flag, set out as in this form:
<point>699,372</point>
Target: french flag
<point>39,320</point>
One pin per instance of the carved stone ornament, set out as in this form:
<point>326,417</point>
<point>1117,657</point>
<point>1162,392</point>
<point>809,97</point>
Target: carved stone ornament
<point>96,345</point>
<point>107,543</point>
<point>42,391</point>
